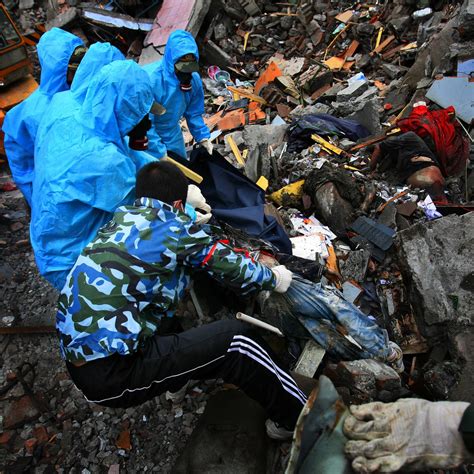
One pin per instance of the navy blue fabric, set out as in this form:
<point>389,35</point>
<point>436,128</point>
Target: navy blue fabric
<point>235,199</point>
<point>322,124</point>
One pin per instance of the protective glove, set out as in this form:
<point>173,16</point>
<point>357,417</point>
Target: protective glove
<point>198,201</point>
<point>202,218</point>
<point>206,143</point>
<point>283,278</point>
<point>410,434</point>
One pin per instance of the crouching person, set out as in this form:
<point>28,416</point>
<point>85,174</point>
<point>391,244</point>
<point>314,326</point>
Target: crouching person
<point>131,276</point>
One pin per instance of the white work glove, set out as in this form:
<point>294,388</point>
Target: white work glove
<point>198,201</point>
<point>283,278</point>
<point>206,143</point>
<point>410,434</point>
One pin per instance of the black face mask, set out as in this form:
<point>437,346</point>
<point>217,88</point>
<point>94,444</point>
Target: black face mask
<point>138,139</point>
<point>184,79</point>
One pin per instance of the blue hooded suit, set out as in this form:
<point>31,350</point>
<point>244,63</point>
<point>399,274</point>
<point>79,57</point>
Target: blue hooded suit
<point>84,170</point>
<point>67,103</point>
<point>21,123</point>
<point>166,133</point>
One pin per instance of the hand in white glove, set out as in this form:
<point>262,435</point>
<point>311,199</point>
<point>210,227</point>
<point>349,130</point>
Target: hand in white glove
<point>283,278</point>
<point>203,218</point>
<point>196,199</point>
<point>410,434</point>
<point>206,143</point>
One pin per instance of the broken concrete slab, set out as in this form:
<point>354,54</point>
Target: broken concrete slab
<point>310,359</point>
<point>270,135</point>
<point>368,116</point>
<point>26,4</point>
<point>62,19</point>
<point>436,260</point>
<point>352,91</point>
<point>364,378</point>
<point>455,91</point>
<point>434,52</point>
<point>355,267</point>
<point>213,54</point>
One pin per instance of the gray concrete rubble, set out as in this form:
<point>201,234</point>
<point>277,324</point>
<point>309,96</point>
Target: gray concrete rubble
<point>436,261</point>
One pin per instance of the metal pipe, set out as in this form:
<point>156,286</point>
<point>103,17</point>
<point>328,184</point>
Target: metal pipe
<point>256,322</point>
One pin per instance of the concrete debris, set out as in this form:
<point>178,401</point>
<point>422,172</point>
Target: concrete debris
<point>441,293</point>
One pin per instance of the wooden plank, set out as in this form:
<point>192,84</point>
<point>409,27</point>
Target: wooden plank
<point>379,37</point>
<point>193,176</point>
<point>247,94</point>
<point>325,144</point>
<point>392,52</point>
<point>382,45</point>
<point>345,17</point>
<point>235,150</point>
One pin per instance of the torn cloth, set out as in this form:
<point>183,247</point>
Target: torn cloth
<point>441,127</point>
<point>346,185</point>
<point>327,316</point>
<point>322,124</point>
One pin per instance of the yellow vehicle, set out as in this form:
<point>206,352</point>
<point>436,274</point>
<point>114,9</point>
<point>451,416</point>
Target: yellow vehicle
<point>16,81</point>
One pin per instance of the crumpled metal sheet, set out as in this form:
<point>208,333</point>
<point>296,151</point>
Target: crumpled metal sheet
<point>318,442</point>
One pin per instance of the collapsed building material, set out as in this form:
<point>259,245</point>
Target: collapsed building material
<point>457,92</point>
<point>441,293</point>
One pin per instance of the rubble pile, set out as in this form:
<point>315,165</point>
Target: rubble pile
<point>297,94</point>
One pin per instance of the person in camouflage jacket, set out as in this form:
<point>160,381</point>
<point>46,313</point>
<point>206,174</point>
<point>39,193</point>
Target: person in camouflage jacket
<point>132,275</point>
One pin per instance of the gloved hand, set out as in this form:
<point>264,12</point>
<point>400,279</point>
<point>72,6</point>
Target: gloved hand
<point>410,434</point>
<point>203,218</point>
<point>283,278</point>
<point>206,143</point>
<point>198,201</point>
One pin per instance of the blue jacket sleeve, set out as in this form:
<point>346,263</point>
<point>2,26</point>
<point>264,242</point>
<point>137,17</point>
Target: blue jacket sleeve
<point>156,147</point>
<point>195,110</point>
<point>235,269</point>
<point>20,161</point>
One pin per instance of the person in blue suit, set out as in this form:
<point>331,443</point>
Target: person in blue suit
<point>59,52</point>
<point>178,88</point>
<point>84,170</point>
<point>67,103</point>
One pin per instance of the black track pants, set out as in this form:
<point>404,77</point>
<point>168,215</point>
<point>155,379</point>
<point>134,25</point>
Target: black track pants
<point>225,349</point>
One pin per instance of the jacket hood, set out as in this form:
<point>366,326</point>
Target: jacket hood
<point>54,52</point>
<point>97,56</point>
<point>117,98</point>
<point>179,43</point>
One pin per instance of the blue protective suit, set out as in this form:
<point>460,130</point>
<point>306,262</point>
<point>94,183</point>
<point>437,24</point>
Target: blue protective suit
<point>21,123</point>
<point>67,103</point>
<point>83,168</point>
<point>166,133</point>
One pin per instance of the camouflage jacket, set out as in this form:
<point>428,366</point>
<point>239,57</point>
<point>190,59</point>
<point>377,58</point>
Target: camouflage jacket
<point>135,271</point>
